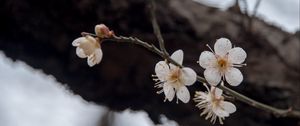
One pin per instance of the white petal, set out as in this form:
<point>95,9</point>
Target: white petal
<point>237,55</point>
<point>228,107</point>
<point>80,53</point>
<point>168,91</point>
<point>213,76</point>
<point>98,55</point>
<point>233,76</point>
<point>77,41</point>
<point>220,111</point>
<point>162,70</point>
<point>222,46</point>
<point>188,76</point>
<point>207,59</point>
<point>217,92</point>
<point>183,94</point>
<point>172,67</point>
<point>91,60</point>
<point>178,56</point>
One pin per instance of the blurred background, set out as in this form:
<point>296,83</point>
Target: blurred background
<point>43,82</point>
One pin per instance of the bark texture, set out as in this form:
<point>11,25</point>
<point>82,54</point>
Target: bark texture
<point>40,33</point>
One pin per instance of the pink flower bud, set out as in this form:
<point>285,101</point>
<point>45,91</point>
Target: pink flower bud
<point>102,31</point>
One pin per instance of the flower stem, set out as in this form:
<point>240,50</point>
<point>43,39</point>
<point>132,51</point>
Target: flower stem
<point>276,111</point>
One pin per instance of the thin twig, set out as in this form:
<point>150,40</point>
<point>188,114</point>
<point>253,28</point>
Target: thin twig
<point>253,14</point>
<point>256,8</point>
<point>245,7</point>
<point>156,29</point>
<point>276,111</point>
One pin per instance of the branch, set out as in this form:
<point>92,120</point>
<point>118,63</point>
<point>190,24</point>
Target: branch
<point>253,14</point>
<point>245,8</point>
<point>276,111</point>
<point>255,8</point>
<point>156,29</point>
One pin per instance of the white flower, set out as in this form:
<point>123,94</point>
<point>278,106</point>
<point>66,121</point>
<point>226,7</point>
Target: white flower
<point>173,79</point>
<point>221,63</point>
<point>213,104</point>
<point>89,47</point>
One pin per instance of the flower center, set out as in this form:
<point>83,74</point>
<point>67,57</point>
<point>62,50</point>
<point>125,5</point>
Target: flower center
<point>216,102</point>
<point>174,77</point>
<point>223,63</point>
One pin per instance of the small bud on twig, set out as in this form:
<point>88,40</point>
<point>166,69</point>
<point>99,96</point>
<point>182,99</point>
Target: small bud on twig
<point>102,31</point>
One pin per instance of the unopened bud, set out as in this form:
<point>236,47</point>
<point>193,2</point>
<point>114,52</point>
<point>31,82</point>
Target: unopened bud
<point>102,31</point>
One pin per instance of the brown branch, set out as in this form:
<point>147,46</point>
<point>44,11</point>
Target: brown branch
<point>276,111</point>
<point>156,29</point>
<point>256,8</point>
<point>253,14</point>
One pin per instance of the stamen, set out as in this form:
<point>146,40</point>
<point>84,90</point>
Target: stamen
<point>159,82</point>
<point>153,75</point>
<point>206,86</point>
<point>210,48</point>
<point>220,120</point>
<point>159,92</point>
<point>239,65</point>
<point>158,85</point>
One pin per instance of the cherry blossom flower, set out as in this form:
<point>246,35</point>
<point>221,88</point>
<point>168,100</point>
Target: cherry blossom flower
<point>213,105</point>
<point>220,65</point>
<point>173,79</point>
<point>88,47</point>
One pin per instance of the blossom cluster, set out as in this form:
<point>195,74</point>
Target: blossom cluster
<point>221,65</point>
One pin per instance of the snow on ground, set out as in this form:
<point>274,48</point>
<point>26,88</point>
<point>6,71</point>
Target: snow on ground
<point>126,118</point>
<point>28,97</point>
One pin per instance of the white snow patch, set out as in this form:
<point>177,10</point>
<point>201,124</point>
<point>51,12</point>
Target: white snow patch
<point>28,97</point>
<point>282,13</point>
